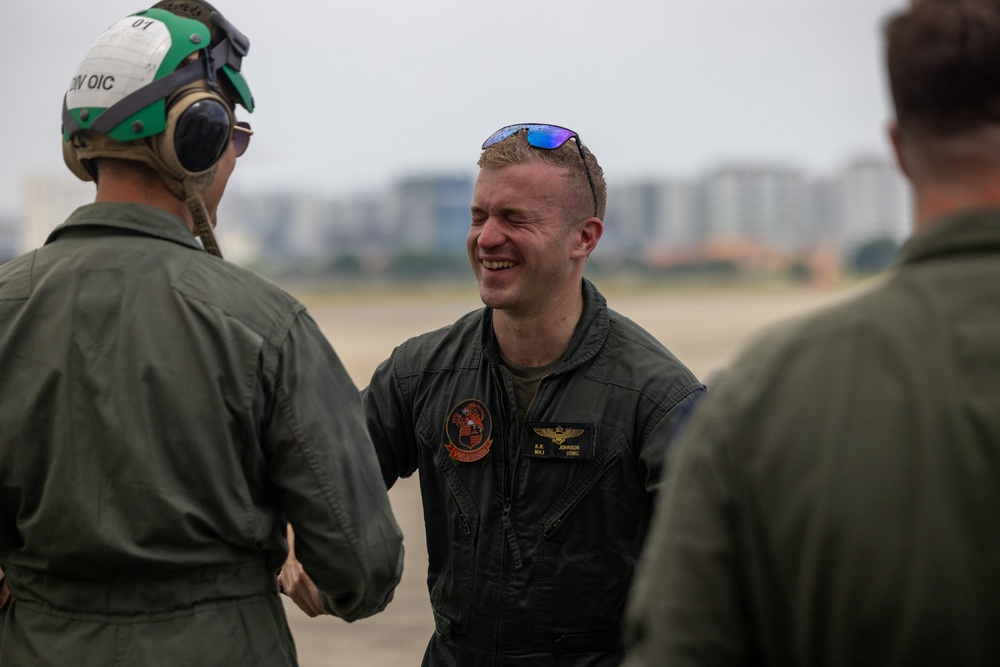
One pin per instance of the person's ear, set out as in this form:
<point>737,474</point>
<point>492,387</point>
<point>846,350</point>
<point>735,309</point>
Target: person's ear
<point>896,137</point>
<point>587,236</point>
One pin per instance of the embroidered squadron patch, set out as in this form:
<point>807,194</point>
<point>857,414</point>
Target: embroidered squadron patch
<point>469,429</point>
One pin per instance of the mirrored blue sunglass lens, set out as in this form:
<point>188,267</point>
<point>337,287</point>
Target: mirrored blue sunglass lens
<point>548,136</point>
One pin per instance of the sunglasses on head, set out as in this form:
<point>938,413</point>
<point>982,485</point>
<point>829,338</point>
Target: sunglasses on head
<point>547,137</point>
<point>241,137</point>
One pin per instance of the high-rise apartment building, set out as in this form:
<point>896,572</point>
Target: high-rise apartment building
<point>874,202</point>
<point>651,215</point>
<point>756,202</point>
<point>431,213</point>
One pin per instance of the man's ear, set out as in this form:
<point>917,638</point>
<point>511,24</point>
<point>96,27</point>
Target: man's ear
<point>895,136</point>
<point>587,236</point>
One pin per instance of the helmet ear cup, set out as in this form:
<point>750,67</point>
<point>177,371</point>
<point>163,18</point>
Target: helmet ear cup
<point>199,129</point>
<point>73,160</point>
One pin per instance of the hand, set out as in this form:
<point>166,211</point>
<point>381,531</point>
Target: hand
<point>297,585</point>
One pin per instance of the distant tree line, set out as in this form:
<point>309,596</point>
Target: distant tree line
<point>445,267</point>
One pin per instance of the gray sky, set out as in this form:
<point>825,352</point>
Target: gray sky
<point>354,94</point>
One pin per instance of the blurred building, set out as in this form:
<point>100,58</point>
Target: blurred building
<point>428,213</point>
<point>47,202</point>
<point>431,213</point>
<point>752,214</point>
<point>873,203</point>
<point>283,226</point>
<point>757,203</point>
<point>823,213</point>
<point>650,216</point>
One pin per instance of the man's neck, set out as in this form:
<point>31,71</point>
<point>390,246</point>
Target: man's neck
<point>949,174</point>
<point>539,338</point>
<point>124,186</point>
<point>937,200</point>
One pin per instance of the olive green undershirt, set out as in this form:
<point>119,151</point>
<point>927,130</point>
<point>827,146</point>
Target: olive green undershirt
<point>526,380</point>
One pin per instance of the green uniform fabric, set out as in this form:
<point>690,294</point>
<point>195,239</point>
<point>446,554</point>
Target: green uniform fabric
<point>162,413</point>
<point>835,500</point>
<point>530,551</point>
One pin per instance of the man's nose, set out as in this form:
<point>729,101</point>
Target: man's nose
<point>491,233</point>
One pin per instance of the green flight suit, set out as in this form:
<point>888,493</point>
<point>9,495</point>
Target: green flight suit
<point>836,500</point>
<point>162,413</point>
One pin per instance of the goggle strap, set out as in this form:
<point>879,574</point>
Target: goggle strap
<point>238,42</point>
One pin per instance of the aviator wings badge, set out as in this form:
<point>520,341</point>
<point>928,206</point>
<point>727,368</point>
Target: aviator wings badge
<point>560,441</point>
<point>559,434</point>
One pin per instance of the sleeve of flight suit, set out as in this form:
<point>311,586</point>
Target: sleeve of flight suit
<point>664,432</point>
<point>326,471</point>
<point>685,606</point>
<point>389,419</point>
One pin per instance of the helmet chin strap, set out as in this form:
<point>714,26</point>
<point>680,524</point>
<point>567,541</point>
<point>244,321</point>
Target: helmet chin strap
<point>203,223</point>
<point>190,189</point>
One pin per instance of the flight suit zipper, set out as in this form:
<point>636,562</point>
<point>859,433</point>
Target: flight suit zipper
<point>504,517</point>
<point>508,477</point>
<point>507,481</point>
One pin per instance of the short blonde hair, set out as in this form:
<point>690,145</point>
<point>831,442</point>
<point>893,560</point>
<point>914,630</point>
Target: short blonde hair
<point>515,149</point>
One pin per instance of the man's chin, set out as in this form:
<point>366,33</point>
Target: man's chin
<point>492,298</point>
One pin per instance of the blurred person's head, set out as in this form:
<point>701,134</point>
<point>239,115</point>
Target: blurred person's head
<point>943,64</point>
<point>153,101</point>
<point>943,59</point>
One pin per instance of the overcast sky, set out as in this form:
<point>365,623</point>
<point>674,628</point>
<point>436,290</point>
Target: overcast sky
<point>354,94</point>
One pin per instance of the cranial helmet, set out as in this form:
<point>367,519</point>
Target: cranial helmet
<point>160,87</point>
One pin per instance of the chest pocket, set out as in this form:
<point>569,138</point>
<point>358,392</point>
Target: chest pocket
<point>585,544</point>
<point>592,473</point>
